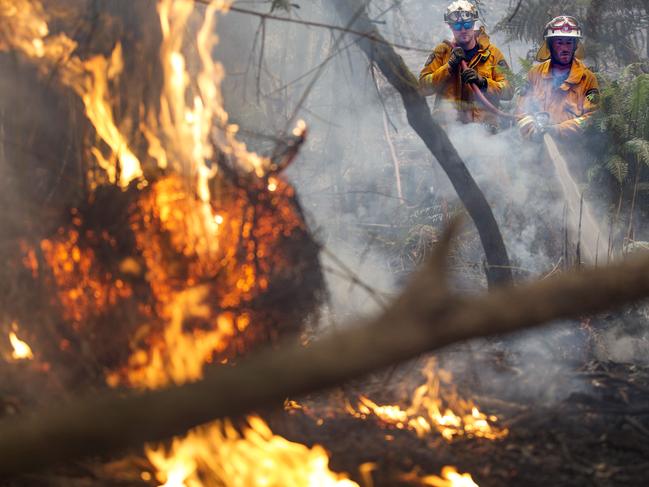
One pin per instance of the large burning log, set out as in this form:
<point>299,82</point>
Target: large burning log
<point>138,233</point>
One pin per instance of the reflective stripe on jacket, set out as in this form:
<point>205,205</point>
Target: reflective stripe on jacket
<point>570,105</point>
<point>437,78</point>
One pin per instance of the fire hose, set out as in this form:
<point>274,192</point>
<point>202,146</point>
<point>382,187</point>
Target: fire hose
<point>540,120</point>
<point>485,101</point>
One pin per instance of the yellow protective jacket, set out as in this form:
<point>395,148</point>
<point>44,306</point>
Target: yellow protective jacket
<point>437,78</point>
<point>570,105</point>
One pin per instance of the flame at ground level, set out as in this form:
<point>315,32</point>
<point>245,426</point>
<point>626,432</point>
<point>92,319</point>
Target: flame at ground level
<point>219,454</point>
<point>253,456</point>
<point>450,478</point>
<point>431,410</point>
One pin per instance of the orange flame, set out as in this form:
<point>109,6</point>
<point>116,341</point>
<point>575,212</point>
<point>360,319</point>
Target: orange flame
<point>450,478</point>
<point>427,412</point>
<point>82,290</point>
<point>89,79</point>
<point>219,454</point>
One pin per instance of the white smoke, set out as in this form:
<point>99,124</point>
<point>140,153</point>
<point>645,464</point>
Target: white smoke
<point>344,174</point>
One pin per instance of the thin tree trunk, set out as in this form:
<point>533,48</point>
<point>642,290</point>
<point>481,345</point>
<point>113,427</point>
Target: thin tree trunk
<point>393,154</point>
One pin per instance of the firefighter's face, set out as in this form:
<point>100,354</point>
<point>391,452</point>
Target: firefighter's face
<point>463,32</point>
<point>563,49</point>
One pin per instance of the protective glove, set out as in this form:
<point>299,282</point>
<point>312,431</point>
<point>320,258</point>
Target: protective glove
<point>531,130</point>
<point>457,56</point>
<point>470,75</point>
<point>527,128</point>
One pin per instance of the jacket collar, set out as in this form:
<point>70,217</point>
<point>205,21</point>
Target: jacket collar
<point>483,41</point>
<point>577,72</point>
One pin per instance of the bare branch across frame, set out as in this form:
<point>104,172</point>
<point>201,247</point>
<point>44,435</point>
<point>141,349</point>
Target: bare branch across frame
<point>425,317</point>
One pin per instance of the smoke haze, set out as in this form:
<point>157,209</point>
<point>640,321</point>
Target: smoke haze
<point>345,172</point>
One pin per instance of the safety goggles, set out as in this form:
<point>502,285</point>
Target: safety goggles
<point>467,25</point>
<point>563,25</point>
<point>460,16</point>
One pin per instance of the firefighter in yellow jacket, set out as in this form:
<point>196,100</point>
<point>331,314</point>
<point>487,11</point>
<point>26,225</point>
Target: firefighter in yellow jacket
<point>561,86</point>
<point>470,59</point>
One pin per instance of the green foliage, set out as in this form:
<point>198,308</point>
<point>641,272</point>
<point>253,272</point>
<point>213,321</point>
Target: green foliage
<point>639,109</point>
<point>618,167</point>
<point>517,80</point>
<point>620,132</point>
<point>527,24</point>
<point>639,148</point>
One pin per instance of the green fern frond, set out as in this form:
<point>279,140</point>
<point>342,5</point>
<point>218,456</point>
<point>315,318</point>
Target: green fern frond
<point>526,65</point>
<point>639,148</point>
<point>617,126</point>
<point>618,168</point>
<point>639,106</point>
<point>593,172</point>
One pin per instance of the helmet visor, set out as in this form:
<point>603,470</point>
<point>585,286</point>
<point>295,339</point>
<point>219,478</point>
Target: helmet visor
<point>460,16</point>
<point>565,25</point>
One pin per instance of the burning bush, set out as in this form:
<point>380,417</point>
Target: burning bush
<point>143,237</point>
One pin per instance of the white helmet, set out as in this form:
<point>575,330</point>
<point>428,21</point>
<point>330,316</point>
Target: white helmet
<point>461,11</point>
<point>563,26</point>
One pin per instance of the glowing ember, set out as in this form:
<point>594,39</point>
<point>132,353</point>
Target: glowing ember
<point>82,290</point>
<point>188,225</point>
<point>179,355</point>
<point>219,454</point>
<point>291,405</point>
<point>21,350</point>
<point>451,416</point>
<point>299,128</point>
<point>272,184</point>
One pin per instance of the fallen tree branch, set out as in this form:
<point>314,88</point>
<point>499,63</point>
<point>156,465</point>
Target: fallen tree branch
<point>396,72</point>
<point>427,316</point>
